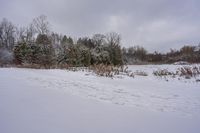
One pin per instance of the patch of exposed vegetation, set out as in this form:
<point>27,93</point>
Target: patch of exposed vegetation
<point>186,72</point>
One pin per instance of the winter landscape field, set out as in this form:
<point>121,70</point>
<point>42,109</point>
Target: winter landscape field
<point>99,66</point>
<point>63,101</point>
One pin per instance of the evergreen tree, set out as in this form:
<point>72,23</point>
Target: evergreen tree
<point>46,53</point>
<point>22,53</point>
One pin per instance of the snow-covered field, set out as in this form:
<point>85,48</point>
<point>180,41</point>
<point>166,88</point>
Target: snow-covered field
<point>61,101</point>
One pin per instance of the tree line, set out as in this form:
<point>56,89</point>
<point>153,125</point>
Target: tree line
<point>37,45</point>
<point>139,55</point>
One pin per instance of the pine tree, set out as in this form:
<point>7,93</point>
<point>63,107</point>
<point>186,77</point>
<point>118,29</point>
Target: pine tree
<point>22,53</point>
<point>46,53</point>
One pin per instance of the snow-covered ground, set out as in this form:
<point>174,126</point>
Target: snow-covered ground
<point>60,101</point>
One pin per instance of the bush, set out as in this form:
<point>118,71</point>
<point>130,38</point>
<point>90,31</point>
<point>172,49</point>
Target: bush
<point>163,72</point>
<point>186,72</point>
<point>6,57</point>
<point>111,70</point>
<point>103,70</point>
<point>189,71</point>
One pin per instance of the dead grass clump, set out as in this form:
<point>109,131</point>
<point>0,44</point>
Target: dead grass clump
<point>188,72</point>
<point>104,70</point>
<point>110,70</point>
<point>34,66</point>
<point>163,72</point>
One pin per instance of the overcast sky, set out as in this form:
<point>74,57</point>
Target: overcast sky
<point>154,24</point>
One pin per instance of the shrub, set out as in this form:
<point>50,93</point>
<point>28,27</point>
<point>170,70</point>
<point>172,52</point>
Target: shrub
<point>186,72</point>
<point>189,71</point>
<point>163,72</point>
<point>6,57</point>
<point>111,70</point>
<point>103,70</point>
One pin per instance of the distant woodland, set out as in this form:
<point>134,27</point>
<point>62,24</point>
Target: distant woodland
<point>37,46</point>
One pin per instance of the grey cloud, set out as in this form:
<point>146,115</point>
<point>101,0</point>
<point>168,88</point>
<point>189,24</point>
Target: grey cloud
<point>154,24</point>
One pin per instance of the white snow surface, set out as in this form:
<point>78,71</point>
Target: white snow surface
<point>61,101</point>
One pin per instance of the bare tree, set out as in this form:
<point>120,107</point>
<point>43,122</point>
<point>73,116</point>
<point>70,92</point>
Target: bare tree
<point>41,25</point>
<point>30,33</point>
<point>20,34</point>
<point>98,39</point>
<point>113,39</point>
<point>7,30</point>
<point>25,34</point>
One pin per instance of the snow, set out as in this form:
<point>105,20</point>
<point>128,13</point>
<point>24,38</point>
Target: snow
<point>63,101</point>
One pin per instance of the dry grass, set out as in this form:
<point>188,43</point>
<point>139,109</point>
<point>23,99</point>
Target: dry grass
<point>163,72</point>
<point>110,70</point>
<point>104,70</point>
<point>187,72</point>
